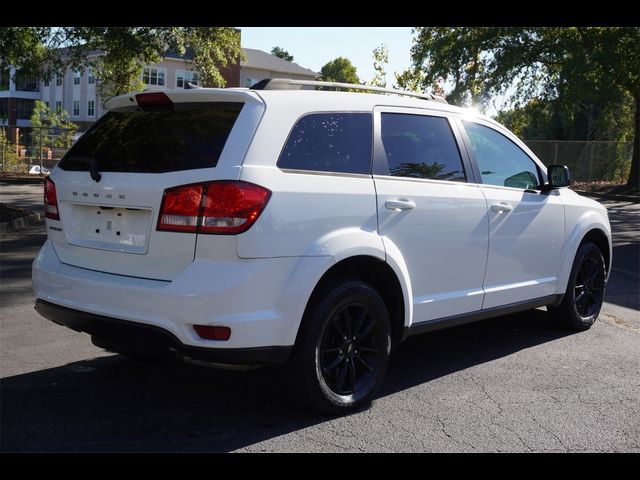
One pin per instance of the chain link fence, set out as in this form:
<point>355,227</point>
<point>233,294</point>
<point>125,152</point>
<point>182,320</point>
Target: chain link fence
<point>31,149</point>
<point>587,161</point>
<point>22,149</point>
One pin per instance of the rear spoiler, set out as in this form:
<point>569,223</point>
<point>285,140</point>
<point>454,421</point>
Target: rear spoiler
<point>179,95</point>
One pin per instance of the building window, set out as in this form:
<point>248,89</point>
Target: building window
<point>250,82</point>
<point>4,108</point>
<point>91,108</point>
<point>58,106</point>
<point>46,82</point>
<point>24,108</point>
<point>27,83</point>
<point>91,79</point>
<point>76,77</point>
<point>185,76</point>
<point>46,104</point>
<point>154,76</point>
<point>59,79</point>
<point>4,78</point>
<point>76,108</point>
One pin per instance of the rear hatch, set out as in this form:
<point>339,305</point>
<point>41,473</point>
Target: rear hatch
<point>110,184</point>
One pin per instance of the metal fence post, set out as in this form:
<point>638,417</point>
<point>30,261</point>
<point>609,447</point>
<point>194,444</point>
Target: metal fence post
<point>591,160</point>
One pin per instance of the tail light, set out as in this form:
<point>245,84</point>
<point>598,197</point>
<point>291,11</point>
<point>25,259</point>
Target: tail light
<point>50,200</point>
<point>224,207</point>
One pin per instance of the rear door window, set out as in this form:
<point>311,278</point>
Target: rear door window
<point>188,137</point>
<point>421,146</point>
<point>330,142</point>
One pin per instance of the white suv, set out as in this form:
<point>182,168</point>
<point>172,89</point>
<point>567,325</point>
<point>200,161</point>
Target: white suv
<point>313,228</point>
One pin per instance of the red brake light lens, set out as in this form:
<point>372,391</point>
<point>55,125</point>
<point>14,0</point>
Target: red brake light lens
<point>154,101</point>
<point>231,207</point>
<point>180,208</point>
<point>224,207</point>
<point>50,200</point>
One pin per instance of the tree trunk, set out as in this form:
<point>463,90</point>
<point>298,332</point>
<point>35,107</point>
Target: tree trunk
<point>634,174</point>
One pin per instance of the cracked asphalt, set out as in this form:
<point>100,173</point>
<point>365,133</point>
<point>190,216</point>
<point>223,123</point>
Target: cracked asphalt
<point>515,383</point>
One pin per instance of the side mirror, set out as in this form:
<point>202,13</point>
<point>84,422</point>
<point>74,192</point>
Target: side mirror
<point>559,177</point>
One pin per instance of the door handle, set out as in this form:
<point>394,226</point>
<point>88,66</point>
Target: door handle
<point>501,207</point>
<point>398,205</point>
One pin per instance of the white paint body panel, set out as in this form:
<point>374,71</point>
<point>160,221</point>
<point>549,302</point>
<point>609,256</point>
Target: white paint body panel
<point>525,245</point>
<point>443,241</point>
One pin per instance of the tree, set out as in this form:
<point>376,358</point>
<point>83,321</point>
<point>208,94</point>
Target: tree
<point>339,70</point>
<point>125,51</point>
<point>544,62</point>
<point>282,53</point>
<point>380,61</point>
<point>51,129</point>
<point>8,156</point>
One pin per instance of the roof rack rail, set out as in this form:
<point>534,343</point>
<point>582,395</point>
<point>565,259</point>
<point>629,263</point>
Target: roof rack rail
<point>290,84</point>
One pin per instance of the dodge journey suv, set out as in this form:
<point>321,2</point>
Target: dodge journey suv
<point>311,228</point>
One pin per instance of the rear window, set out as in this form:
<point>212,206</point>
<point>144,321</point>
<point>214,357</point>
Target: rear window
<point>188,137</point>
<point>329,142</point>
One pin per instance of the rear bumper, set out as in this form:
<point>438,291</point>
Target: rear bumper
<point>131,335</point>
<point>261,300</point>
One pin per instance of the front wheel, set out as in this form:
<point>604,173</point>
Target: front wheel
<point>583,298</point>
<point>343,349</point>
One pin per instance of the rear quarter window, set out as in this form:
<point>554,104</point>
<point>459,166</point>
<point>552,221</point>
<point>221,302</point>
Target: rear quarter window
<point>329,142</point>
<point>188,137</point>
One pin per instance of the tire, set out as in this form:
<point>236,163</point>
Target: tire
<point>342,350</point>
<point>583,298</point>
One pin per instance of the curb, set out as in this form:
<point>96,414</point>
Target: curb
<point>610,196</point>
<point>21,223</point>
<point>34,180</point>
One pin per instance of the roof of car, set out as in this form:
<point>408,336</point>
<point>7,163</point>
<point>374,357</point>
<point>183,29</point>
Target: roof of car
<point>311,100</point>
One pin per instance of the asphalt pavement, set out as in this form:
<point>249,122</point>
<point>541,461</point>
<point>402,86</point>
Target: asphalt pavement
<point>514,383</point>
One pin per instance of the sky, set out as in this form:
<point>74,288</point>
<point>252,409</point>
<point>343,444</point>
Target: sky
<point>312,47</point>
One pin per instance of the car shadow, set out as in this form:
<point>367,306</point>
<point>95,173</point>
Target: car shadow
<point>115,404</point>
<point>623,287</point>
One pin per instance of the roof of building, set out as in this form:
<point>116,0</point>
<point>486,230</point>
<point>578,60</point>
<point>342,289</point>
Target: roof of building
<point>265,61</point>
<point>253,59</point>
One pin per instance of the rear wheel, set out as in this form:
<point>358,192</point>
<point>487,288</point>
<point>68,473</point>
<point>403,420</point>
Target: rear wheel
<point>343,349</point>
<point>583,298</point>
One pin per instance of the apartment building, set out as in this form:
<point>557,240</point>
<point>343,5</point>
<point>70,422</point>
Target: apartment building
<point>75,91</point>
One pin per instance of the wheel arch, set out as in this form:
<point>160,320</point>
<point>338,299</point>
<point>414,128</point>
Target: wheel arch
<point>375,272</point>
<point>589,228</point>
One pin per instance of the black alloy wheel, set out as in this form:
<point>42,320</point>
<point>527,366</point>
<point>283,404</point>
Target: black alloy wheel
<point>350,350</point>
<point>342,350</point>
<point>583,298</point>
<point>588,291</point>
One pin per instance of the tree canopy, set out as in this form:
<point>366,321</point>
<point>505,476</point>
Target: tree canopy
<point>480,61</point>
<point>282,53</point>
<point>339,70</point>
<point>575,64</point>
<point>44,51</point>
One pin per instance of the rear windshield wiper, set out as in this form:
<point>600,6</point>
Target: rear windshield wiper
<point>92,163</point>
